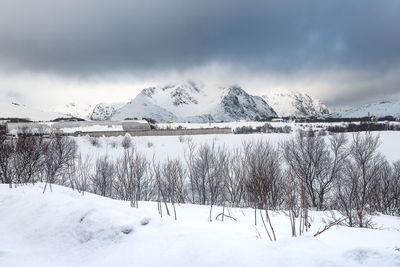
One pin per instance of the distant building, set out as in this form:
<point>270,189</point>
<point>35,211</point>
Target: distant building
<point>76,126</point>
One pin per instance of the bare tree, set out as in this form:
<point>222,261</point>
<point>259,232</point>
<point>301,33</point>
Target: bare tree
<point>161,194</point>
<point>357,182</point>
<point>332,166</point>
<point>28,157</point>
<point>263,174</point>
<point>131,171</point>
<point>127,142</point>
<point>364,155</point>
<point>173,180</point>
<point>79,172</point>
<point>307,156</point>
<point>60,151</point>
<point>234,177</point>
<point>395,206</point>
<point>189,158</point>
<point>103,178</point>
<point>6,153</point>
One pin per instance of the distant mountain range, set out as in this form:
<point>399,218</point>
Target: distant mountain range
<point>194,103</point>
<point>191,102</point>
<point>377,109</point>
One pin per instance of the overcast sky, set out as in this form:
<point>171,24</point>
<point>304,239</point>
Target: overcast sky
<point>55,51</point>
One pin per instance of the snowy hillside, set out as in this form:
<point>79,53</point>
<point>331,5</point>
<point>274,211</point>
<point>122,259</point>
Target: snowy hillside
<point>104,111</point>
<point>378,109</point>
<point>295,104</point>
<point>74,110</point>
<point>64,228</point>
<point>14,110</point>
<point>191,102</point>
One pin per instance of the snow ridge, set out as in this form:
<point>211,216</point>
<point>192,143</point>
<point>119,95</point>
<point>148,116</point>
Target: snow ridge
<point>104,111</point>
<point>15,110</point>
<point>295,103</point>
<point>378,109</point>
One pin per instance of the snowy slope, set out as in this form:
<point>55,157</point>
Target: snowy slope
<point>74,110</point>
<point>195,103</point>
<point>378,109</point>
<point>295,104</point>
<point>104,111</point>
<point>13,110</point>
<point>63,228</point>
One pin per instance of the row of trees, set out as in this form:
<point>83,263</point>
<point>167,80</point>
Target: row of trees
<point>305,172</point>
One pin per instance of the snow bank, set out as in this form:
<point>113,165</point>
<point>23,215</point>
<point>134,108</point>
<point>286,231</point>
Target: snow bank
<point>64,228</point>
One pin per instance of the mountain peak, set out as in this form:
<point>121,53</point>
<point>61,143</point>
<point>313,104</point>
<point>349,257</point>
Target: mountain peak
<point>103,111</point>
<point>295,103</point>
<point>191,101</point>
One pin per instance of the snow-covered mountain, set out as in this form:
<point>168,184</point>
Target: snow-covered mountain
<point>378,109</point>
<point>74,110</point>
<point>295,104</point>
<point>194,103</point>
<point>104,111</point>
<point>14,110</point>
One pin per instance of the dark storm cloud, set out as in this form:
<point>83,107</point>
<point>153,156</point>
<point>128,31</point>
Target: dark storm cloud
<point>75,36</point>
<point>296,39</point>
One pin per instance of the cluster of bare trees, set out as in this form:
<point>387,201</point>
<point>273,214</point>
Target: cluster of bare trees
<point>305,172</point>
<point>345,175</point>
<point>30,159</point>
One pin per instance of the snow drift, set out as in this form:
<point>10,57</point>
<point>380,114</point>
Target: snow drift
<point>64,228</point>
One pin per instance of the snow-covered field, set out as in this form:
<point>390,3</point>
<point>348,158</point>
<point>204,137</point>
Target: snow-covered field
<point>64,228</point>
<point>163,147</point>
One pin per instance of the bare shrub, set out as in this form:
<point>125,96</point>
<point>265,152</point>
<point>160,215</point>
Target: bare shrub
<point>355,186</point>
<point>173,182</point>
<point>59,153</point>
<point>114,144</point>
<point>28,157</point>
<point>79,172</point>
<point>315,163</point>
<point>126,142</point>
<point>234,178</point>
<point>94,141</point>
<point>263,179</point>
<point>103,178</point>
<point>6,153</point>
<point>131,177</point>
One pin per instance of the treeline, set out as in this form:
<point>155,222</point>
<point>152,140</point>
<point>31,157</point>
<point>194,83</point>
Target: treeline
<point>305,172</point>
<point>266,128</point>
<point>333,119</point>
<point>363,127</point>
<point>314,119</point>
